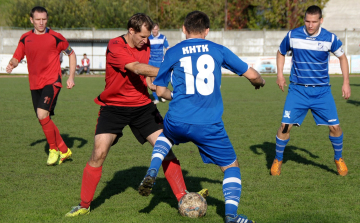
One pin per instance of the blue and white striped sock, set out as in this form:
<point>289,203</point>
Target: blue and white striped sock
<point>161,149</point>
<point>280,148</point>
<point>232,190</point>
<point>337,143</point>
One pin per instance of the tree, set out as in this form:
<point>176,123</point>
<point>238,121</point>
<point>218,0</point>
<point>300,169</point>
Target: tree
<point>170,14</point>
<point>115,14</point>
<point>62,14</point>
<point>269,14</point>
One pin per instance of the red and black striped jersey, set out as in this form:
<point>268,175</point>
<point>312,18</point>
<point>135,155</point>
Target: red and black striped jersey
<point>42,54</point>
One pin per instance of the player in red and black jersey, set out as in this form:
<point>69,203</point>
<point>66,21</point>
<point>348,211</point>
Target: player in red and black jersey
<point>125,101</point>
<point>42,47</point>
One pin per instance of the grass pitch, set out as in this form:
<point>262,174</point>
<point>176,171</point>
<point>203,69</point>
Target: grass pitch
<point>308,190</point>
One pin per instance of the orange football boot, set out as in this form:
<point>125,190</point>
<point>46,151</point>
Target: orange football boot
<point>341,167</point>
<point>276,167</point>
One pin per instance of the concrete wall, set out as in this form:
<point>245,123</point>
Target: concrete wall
<point>242,43</point>
<point>341,15</point>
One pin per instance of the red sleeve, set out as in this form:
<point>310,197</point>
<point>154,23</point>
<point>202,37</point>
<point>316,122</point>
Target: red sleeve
<point>63,44</point>
<point>118,54</point>
<point>20,49</point>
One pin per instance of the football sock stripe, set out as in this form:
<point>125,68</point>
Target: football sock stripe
<point>232,190</point>
<point>280,148</point>
<point>337,143</point>
<point>161,149</point>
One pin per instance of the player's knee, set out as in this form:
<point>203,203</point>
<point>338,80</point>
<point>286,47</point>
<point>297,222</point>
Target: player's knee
<point>335,130</point>
<point>41,113</point>
<point>285,128</point>
<point>234,164</point>
<point>42,116</point>
<point>97,158</point>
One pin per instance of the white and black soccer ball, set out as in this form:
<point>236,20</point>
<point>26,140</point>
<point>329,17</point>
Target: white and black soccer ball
<point>192,205</point>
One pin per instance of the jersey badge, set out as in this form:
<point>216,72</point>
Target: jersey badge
<point>320,46</point>
<point>287,114</point>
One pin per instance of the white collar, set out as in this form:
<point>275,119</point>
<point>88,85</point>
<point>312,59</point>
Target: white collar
<point>314,35</point>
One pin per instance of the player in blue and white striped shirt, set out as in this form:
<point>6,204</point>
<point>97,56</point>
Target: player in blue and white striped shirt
<point>310,84</point>
<point>158,45</point>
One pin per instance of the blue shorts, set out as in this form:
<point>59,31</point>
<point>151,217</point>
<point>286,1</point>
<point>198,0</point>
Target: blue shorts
<point>212,140</point>
<point>318,99</point>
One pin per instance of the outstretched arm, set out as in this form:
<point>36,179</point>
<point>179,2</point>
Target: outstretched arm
<point>72,67</point>
<point>254,77</point>
<point>142,69</point>
<point>12,64</point>
<point>280,61</point>
<point>344,65</point>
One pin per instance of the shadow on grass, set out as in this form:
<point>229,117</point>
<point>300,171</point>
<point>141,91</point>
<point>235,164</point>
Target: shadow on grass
<point>356,103</point>
<point>131,178</point>
<point>69,141</point>
<point>356,85</point>
<point>289,154</point>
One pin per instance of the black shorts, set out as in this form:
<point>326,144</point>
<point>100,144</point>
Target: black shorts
<point>143,121</point>
<point>45,98</point>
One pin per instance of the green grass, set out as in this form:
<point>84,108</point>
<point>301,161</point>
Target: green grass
<point>308,190</point>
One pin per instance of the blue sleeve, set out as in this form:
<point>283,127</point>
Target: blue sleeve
<point>336,44</point>
<point>164,74</point>
<point>166,43</point>
<point>233,63</point>
<point>285,44</point>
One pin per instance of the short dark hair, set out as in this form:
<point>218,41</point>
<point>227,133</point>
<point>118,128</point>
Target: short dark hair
<point>196,22</point>
<point>156,24</point>
<point>314,10</point>
<point>37,9</point>
<point>138,20</point>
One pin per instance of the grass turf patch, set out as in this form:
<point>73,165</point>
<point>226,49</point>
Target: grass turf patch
<point>308,189</point>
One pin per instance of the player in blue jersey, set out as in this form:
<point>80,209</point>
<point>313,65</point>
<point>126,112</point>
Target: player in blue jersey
<point>194,69</point>
<point>158,45</point>
<point>309,84</point>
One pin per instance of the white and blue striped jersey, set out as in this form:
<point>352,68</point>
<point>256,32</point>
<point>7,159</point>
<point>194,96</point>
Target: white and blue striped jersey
<point>194,68</point>
<point>310,55</point>
<point>157,45</point>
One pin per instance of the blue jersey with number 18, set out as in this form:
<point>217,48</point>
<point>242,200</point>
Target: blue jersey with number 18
<point>194,68</point>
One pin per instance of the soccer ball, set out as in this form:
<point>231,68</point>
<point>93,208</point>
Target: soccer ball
<point>192,205</point>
